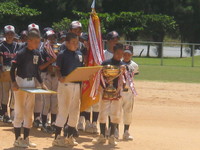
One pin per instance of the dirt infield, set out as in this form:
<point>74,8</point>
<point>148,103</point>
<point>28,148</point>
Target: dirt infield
<point>166,117</point>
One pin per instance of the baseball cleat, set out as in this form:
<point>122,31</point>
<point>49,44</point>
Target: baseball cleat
<point>20,143</point>
<point>72,141</point>
<point>112,140</point>
<point>88,127</point>
<point>29,143</point>
<point>94,127</point>
<point>127,136</point>
<point>60,141</point>
<point>37,123</point>
<point>6,119</point>
<point>100,140</point>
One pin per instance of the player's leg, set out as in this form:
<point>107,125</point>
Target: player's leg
<point>104,109</point>
<point>65,94</point>
<point>54,103</point>
<point>74,112</point>
<point>127,106</point>
<point>28,120</point>
<point>88,125</point>
<point>6,89</point>
<point>115,116</point>
<point>37,110</point>
<point>20,98</point>
<point>95,114</point>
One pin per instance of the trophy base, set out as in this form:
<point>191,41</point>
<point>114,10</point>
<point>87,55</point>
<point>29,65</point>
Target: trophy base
<point>110,95</point>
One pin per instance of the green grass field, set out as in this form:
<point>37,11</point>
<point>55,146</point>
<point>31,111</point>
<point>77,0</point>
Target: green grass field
<point>175,70</point>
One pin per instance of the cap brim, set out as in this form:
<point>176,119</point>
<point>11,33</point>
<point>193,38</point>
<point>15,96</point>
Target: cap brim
<point>128,51</point>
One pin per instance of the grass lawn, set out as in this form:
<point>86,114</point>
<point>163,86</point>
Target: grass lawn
<point>185,62</point>
<point>167,73</point>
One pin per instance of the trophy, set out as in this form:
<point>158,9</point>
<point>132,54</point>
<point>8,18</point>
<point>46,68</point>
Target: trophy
<point>110,72</point>
<point>56,48</point>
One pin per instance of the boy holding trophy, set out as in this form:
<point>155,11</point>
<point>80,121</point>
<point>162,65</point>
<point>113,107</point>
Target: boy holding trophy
<point>110,103</point>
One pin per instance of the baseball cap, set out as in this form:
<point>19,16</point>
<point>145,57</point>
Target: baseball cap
<point>128,49</point>
<point>75,24</point>
<point>33,26</point>
<point>9,28</point>
<point>84,36</point>
<point>62,34</point>
<point>50,32</point>
<point>111,35</point>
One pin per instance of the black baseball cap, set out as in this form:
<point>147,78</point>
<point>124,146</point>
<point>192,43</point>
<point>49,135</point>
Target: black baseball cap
<point>128,49</point>
<point>111,35</point>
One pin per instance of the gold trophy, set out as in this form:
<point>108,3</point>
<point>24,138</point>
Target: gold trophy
<point>110,72</point>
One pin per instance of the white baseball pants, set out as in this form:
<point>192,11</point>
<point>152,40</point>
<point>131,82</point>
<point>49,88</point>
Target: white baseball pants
<point>68,104</point>
<point>127,106</point>
<point>24,104</point>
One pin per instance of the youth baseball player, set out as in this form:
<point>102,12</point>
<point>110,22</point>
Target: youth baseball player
<point>51,81</point>
<point>8,50</point>
<point>127,95</point>
<point>26,62</point>
<point>68,93</point>
<point>111,106</point>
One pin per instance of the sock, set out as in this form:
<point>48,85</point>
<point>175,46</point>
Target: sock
<point>58,131</point>
<point>4,109</point>
<point>82,113</point>
<point>70,131</point>
<point>17,132</point>
<point>53,118</point>
<point>36,115</point>
<point>113,128</point>
<point>26,132</point>
<point>1,111</point>
<point>103,129</point>
<point>87,116</point>
<point>44,120</point>
<point>126,127</point>
<point>95,116</point>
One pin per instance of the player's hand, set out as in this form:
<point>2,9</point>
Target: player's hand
<point>15,86</point>
<point>122,68</point>
<point>62,79</point>
<point>43,86</point>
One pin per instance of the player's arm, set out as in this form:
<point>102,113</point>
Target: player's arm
<point>45,65</point>
<point>58,68</point>
<point>15,86</point>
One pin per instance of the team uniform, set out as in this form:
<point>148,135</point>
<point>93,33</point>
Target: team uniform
<point>7,53</point>
<point>68,94</point>
<point>50,101</point>
<point>27,64</point>
<point>128,98</point>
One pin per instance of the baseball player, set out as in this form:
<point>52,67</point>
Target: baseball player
<point>127,95</point>
<point>23,36</point>
<point>68,93</point>
<point>38,98</point>
<point>112,39</point>
<point>90,127</point>
<point>51,81</point>
<point>8,50</point>
<point>111,106</point>
<point>26,62</point>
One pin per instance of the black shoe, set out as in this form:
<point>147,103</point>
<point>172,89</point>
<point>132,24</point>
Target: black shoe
<point>47,129</point>
<point>37,123</point>
<point>65,130</point>
<point>75,134</point>
<point>53,128</point>
<point>6,119</point>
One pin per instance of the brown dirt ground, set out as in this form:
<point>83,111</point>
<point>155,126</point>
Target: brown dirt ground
<point>165,117</point>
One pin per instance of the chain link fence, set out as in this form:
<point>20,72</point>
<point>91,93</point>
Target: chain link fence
<point>165,53</point>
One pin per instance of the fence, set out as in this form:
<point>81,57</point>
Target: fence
<point>165,53</point>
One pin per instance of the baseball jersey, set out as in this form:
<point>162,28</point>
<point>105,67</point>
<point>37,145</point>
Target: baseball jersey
<point>27,63</point>
<point>107,54</point>
<point>68,61</point>
<point>8,52</point>
<point>132,66</point>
